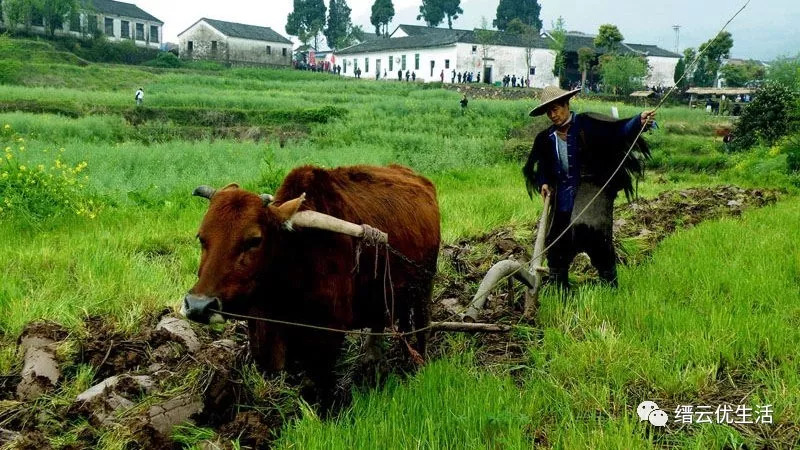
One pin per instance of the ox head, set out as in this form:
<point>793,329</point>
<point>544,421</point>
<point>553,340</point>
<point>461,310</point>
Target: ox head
<point>235,237</point>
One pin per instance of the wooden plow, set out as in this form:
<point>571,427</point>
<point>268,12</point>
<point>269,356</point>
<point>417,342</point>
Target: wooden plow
<point>509,269</point>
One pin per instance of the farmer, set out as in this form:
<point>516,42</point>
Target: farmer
<point>570,162</point>
<point>139,96</point>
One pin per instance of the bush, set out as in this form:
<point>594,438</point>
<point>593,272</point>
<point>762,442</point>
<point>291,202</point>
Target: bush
<point>37,192</point>
<point>792,149</point>
<point>772,115</point>
<point>165,59</point>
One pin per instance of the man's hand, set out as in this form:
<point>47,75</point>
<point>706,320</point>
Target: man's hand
<point>648,117</point>
<point>546,191</point>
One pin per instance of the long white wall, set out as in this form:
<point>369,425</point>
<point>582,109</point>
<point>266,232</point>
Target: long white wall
<point>441,58</point>
<point>459,58</point>
<point>504,60</point>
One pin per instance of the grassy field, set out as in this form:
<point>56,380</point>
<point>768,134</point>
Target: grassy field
<point>97,218</point>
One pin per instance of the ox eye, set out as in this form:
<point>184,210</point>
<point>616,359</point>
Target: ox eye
<point>251,243</point>
<point>203,242</point>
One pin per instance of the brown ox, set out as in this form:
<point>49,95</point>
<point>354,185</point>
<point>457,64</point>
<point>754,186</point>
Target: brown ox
<point>258,259</point>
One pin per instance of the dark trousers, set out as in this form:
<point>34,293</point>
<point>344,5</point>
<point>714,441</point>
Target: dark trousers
<point>597,242</point>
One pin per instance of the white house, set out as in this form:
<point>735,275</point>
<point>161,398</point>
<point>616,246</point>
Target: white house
<point>234,43</point>
<point>431,53</point>
<point>118,21</point>
<point>661,62</point>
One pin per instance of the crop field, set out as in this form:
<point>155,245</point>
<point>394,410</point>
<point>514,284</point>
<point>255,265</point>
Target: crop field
<point>97,244</point>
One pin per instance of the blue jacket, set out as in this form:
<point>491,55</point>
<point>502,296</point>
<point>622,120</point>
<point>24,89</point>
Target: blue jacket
<point>595,147</point>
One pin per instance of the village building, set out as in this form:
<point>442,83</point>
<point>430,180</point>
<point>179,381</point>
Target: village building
<point>662,62</point>
<point>117,21</point>
<point>427,51</point>
<point>234,44</point>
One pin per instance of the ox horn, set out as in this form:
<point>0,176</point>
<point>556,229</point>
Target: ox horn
<point>317,220</point>
<point>204,191</point>
<point>266,199</point>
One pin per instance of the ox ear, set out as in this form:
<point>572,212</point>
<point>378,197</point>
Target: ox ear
<point>231,186</point>
<point>266,199</point>
<point>287,209</point>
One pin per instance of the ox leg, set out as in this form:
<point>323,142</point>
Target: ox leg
<point>267,345</point>
<point>320,356</point>
<point>372,346</point>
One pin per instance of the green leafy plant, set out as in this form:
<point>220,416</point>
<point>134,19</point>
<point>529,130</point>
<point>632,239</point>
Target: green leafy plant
<point>772,114</point>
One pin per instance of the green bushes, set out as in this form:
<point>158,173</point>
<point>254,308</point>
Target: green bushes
<point>772,114</point>
<point>44,190</point>
<point>165,59</point>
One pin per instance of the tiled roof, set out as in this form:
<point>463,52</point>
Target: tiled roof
<point>119,9</point>
<point>427,37</point>
<point>576,41</point>
<point>240,30</point>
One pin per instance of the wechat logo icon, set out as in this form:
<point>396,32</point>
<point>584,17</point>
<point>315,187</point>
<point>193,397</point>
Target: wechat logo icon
<point>649,411</point>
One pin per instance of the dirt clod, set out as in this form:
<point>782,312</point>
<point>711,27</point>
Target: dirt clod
<point>181,331</point>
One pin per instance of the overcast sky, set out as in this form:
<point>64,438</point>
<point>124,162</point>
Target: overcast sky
<point>765,30</point>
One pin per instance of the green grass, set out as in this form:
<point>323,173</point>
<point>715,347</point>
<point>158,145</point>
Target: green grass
<point>712,318</point>
<point>716,303</point>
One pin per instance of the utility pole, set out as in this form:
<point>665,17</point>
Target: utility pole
<point>677,29</point>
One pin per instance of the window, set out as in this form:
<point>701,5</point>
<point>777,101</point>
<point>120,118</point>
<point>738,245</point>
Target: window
<point>416,61</point>
<point>403,64</point>
<point>391,63</point>
<point>366,65</point>
<point>446,63</point>
<point>190,46</point>
<point>533,71</point>
<point>474,49</point>
<point>75,21</point>
<point>344,66</point>
<point>214,48</point>
<point>153,33</point>
<point>269,49</point>
<point>283,51</point>
<point>92,24</point>
<point>125,29</point>
<point>139,31</point>
<point>109,26</point>
<point>355,65</point>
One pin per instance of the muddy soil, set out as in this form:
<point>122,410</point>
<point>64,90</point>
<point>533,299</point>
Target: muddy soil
<point>171,371</point>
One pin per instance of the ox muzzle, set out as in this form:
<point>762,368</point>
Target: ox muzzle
<point>199,308</point>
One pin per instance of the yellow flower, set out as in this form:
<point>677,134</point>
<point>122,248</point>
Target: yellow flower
<point>23,168</point>
<point>9,156</point>
<point>40,167</point>
<point>8,149</point>
<point>19,139</point>
<point>7,127</point>
<point>22,149</point>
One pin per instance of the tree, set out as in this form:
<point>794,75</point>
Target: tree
<point>786,71</point>
<point>559,43</point>
<point>452,9</point>
<point>485,38</point>
<point>586,58</point>
<point>713,51</point>
<point>608,38</point>
<point>738,75</point>
<point>55,11</point>
<point>307,20</point>
<point>339,24</point>
<point>431,11</point>
<point>622,75</point>
<point>382,15</point>
<point>527,36</point>
<point>525,10</point>
<point>678,77</point>
<point>770,116</point>
<point>19,12</point>
<point>689,56</point>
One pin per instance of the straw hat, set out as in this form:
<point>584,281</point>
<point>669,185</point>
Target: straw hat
<point>550,95</point>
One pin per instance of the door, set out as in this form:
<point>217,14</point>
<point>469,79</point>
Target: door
<point>378,68</point>
<point>487,75</point>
